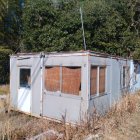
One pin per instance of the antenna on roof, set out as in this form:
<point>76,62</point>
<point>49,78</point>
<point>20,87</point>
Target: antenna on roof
<point>82,22</point>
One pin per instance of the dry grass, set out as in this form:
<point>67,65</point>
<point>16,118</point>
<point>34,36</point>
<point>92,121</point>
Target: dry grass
<point>106,126</point>
<point>121,112</point>
<point>4,89</point>
<point>17,126</point>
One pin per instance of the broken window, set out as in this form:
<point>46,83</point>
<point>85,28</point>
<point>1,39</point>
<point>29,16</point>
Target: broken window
<point>71,80</point>
<point>52,78</point>
<point>93,80</point>
<point>102,72</point>
<point>25,78</point>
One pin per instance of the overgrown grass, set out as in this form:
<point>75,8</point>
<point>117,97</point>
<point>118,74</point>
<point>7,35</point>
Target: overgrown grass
<point>4,89</point>
<point>19,126</point>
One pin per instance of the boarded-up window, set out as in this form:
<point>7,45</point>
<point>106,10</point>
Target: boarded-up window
<point>71,80</point>
<point>102,72</point>
<point>126,76</point>
<point>93,80</point>
<point>52,78</point>
<point>25,78</point>
<point>135,73</point>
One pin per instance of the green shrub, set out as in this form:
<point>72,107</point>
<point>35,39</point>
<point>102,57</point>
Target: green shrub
<point>4,65</point>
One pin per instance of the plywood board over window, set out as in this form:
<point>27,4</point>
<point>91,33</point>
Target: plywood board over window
<point>52,78</point>
<point>71,80</point>
<point>102,73</point>
<point>93,80</point>
<point>126,76</point>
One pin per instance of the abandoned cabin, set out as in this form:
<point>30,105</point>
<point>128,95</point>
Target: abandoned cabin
<point>70,85</point>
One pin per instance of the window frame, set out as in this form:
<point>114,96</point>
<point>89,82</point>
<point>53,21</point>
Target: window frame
<point>102,93</point>
<point>60,93</point>
<point>45,80</point>
<point>125,80</point>
<point>98,94</point>
<point>75,94</point>
<point>19,83</point>
<point>93,66</point>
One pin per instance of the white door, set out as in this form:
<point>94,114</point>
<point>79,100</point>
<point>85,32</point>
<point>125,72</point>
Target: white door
<point>24,91</point>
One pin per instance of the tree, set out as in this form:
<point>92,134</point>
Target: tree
<point>4,65</point>
<point>11,24</point>
<point>52,27</point>
<point>3,13</point>
<point>10,29</point>
<point>57,27</point>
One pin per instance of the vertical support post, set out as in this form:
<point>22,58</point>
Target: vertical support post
<point>88,65</point>
<point>111,83</point>
<point>60,78</point>
<point>42,83</point>
<point>98,68</point>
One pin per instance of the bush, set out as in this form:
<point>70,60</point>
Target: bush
<point>4,65</point>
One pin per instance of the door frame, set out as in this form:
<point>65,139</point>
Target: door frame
<point>18,86</point>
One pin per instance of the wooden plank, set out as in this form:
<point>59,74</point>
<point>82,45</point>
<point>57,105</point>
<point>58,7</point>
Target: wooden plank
<point>52,78</point>
<point>102,80</point>
<point>93,80</point>
<point>71,80</point>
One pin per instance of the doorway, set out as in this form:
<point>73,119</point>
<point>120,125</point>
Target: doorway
<point>24,90</point>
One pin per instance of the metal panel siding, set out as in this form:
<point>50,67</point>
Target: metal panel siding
<point>36,86</point>
<point>117,67</point>
<point>99,105</point>
<point>113,86</point>
<point>138,78</point>
<point>25,61</point>
<point>56,105</point>
<point>53,106</point>
<point>61,107</point>
<point>65,60</point>
<point>13,82</point>
<point>34,64</point>
<point>135,78</point>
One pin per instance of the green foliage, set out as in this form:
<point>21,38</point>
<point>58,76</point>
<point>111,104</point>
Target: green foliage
<point>4,64</point>
<point>52,28</point>
<point>11,25</point>
<point>10,32</point>
<point>109,26</point>
<point>3,13</point>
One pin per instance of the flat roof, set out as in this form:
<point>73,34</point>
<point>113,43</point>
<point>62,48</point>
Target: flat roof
<point>82,52</point>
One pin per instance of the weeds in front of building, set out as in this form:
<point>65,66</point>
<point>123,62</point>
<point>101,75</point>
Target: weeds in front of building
<point>19,126</point>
